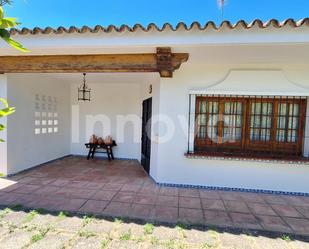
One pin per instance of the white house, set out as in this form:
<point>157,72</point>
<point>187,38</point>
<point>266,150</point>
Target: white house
<point>229,102</point>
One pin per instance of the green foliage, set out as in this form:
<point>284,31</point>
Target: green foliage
<point>8,23</point>
<point>148,229</point>
<point>5,112</point>
<point>63,214</point>
<point>126,236</point>
<point>286,238</point>
<point>31,215</point>
<point>40,235</point>
<point>105,243</point>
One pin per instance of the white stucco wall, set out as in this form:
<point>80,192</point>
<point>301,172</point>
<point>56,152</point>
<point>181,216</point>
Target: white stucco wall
<point>3,121</point>
<point>114,97</point>
<point>174,167</point>
<point>25,149</point>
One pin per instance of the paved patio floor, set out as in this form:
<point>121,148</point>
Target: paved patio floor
<point>122,189</point>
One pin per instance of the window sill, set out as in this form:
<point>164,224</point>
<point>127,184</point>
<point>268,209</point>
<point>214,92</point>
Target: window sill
<point>248,158</point>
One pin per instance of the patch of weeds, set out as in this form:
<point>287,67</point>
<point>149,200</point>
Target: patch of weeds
<point>41,210</point>
<point>88,219</point>
<point>212,228</point>
<point>286,238</point>
<point>181,230</point>
<point>86,234</point>
<point>207,246</point>
<point>39,236</point>
<point>105,243</point>
<point>154,241</point>
<point>118,221</point>
<point>170,244</point>
<point>181,226</point>
<point>17,207</point>
<point>2,175</point>
<point>5,212</point>
<point>63,214</point>
<point>126,236</point>
<point>31,215</point>
<point>139,239</point>
<point>148,229</point>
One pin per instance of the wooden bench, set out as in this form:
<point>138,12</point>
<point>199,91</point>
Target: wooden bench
<point>101,148</point>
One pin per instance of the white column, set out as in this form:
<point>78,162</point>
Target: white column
<point>3,134</point>
<point>306,142</point>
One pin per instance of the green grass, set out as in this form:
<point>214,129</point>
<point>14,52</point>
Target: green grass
<point>31,215</point>
<point>88,219</point>
<point>286,237</point>
<point>63,214</point>
<point>17,207</point>
<point>86,234</point>
<point>148,229</point>
<point>2,175</point>
<point>4,212</point>
<point>105,243</point>
<point>154,240</point>
<point>126,236</point>
<point>118,221</point>
<point>39,236</point>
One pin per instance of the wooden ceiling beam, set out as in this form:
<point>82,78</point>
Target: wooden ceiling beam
<point>164,62</point>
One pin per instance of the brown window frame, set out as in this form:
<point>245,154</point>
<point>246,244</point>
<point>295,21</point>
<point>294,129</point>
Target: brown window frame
<point>245,145</point>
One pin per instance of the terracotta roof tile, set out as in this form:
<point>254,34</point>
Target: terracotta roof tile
<point>167,26</point>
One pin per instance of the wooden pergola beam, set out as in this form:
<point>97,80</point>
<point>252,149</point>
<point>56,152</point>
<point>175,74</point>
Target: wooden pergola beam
<point>164,62</point>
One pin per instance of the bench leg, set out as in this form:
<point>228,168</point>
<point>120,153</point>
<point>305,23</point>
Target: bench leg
<point>93,151</point>
<point>112,154</point>
<point>89,153</point>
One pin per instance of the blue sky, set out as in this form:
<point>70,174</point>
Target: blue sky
<point>66,13</point>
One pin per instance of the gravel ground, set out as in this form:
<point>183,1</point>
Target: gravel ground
<point>41,229</point>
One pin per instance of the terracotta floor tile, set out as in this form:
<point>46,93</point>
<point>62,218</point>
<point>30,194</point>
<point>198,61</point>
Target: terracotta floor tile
<point>190,202</point>
<point>230,196</point>
<point>304,211</point>
<point>286,211</point>
<point>42,181</point>
<point>27,189</point>
<point>145,199</point>
<point>94,185</point>
<point>124,197</point>
<point>9,198</point>
<point>149,190</point>
<point>169,191</point>
<point>236,206</point>
<point>46,190</point>
<point>192,216</point>
<point>120,209</point>
<point>261,209</point>
<point>209,194</point>
<point>77,184</point>
<point>167,214</point>
<point>141,211</point>
<point>274,199</point>
<point>187,192</point>
<point>71,204</point>
<point>252,197</point>
<point>213,217</point>
<point>104,195</point>
<point>273,223</point>
<point>112,186</point>
<point>169,201</point>
<point>297,201</point>
<point>76,192</point>
<point>131,187</point>
<point>60,182</point>
<point>245,221</point>
<point>298,225</point>
<point>213,204</point>
<point>93,206</point>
